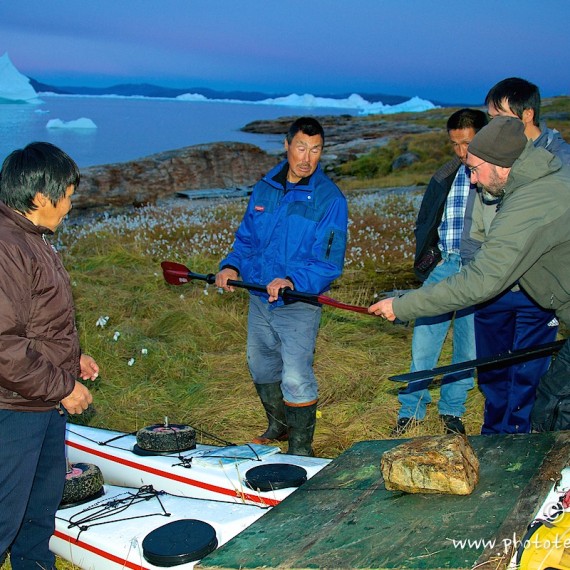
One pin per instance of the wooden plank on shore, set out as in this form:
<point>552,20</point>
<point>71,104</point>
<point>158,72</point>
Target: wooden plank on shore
<point>345,518</point>
<point>216,193</point>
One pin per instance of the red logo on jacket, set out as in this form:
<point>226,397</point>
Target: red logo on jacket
<point>259,208</point>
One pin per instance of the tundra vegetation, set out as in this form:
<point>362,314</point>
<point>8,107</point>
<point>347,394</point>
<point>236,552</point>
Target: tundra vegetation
<point>179,352</point>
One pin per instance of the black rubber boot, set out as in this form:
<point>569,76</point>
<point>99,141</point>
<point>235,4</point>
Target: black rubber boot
<point>272,399</point>
<point>301,422</point>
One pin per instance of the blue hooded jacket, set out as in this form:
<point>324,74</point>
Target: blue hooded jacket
<point>295,231</point>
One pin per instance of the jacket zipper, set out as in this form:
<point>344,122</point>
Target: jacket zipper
<point>329,246</point>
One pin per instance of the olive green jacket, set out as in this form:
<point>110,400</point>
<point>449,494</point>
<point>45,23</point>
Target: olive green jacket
<point>528,241</point>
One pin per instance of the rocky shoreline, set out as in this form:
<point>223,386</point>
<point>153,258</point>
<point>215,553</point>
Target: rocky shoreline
<point>232,164</point>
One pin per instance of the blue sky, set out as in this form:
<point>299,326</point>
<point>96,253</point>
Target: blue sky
<point>435,49</point>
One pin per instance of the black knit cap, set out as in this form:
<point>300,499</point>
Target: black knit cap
<point>500,142</point>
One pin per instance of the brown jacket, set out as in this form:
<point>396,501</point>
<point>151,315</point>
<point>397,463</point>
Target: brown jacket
<point>39,345</point>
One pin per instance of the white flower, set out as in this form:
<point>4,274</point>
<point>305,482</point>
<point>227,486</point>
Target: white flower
<point>131,361</point>
<point>101,322</point>
<point>116,335</point>
<point>144,351</point>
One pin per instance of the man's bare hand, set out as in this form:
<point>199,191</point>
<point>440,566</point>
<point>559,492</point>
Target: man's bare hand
<point>224,276</point>
<point>383,309</point>
<point>89,368</point>
<point>277,285</point>
<point>78,401</point>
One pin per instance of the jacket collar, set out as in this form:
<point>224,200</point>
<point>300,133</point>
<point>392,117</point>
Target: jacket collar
<point>278,177</point>
<point>21,221</point>
<point>533,164</point>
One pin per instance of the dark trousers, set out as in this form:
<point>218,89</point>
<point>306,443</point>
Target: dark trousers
<point>511,321</point>
<point>32,476</point>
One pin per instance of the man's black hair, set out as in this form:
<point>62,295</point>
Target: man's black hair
<point>39,167</point>
<point>517,95</point>
<point>467,119</point>
<point>307,125</point>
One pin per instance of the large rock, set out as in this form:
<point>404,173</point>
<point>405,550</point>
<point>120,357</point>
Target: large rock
<point>438,464</point>
<point>138,182</point>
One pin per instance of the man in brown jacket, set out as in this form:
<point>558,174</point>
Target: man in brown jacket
<point>40,358</point>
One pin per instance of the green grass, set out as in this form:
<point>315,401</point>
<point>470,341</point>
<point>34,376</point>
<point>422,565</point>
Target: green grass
<point>180,351</point>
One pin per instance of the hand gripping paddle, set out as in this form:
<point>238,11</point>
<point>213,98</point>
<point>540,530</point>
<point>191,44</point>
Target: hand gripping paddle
<point>178,274</point>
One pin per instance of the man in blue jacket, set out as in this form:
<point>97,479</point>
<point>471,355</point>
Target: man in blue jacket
<point>293,235</point>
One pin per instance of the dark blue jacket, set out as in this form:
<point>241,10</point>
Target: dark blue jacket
<point>298,233</point>
<point>429,217</point>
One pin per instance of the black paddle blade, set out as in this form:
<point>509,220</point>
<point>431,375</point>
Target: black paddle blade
<point>175,273</point>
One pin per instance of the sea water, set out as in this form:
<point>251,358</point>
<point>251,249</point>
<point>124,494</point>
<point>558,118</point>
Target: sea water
<point>129,128</point>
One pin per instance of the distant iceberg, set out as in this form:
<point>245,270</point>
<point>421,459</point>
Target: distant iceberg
<point>82,123</point>
<point>354,102</point>
<point>15,87</point>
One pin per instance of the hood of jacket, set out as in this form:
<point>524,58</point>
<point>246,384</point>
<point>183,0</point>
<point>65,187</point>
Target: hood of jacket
<point>532,165</point>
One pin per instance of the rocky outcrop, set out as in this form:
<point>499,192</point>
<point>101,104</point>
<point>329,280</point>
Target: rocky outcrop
<point>347,137</point>
<point>144,181</point>
<point>232,164</point>
<point>439,464</point>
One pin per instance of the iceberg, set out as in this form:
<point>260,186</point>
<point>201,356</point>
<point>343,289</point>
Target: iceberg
<point>354,102</point>
<point>82,123</point>
<point>15,87</point>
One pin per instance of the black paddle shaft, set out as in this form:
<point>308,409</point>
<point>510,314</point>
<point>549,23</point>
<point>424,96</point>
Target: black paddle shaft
<point>287,293</point>
<point>423,378</point>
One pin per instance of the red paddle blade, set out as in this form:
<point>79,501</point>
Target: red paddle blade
<point>175,273</point>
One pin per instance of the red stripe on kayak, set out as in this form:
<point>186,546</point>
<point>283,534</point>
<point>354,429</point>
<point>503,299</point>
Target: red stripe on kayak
<point>107,555</point>
<point>167,475</point>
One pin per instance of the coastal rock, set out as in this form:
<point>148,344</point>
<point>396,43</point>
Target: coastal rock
<point>230,164</point>
<point>348,137</point>
<point>406,159</point>
<point>439,464</point>
<point>144,181</point>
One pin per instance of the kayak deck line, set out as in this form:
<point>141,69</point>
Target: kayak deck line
<point>249,473</point>
<point>143,528</point>
<point>262,501</point>
<point>98,551</point>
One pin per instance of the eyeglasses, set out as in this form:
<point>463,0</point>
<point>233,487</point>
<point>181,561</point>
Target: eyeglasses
<point>473,169</point>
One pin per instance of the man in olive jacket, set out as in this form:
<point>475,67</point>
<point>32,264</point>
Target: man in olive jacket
<point>528,242</point>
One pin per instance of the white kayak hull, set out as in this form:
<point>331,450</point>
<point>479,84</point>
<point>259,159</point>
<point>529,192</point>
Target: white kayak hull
<point>116,538</point>
<point>206,472</point>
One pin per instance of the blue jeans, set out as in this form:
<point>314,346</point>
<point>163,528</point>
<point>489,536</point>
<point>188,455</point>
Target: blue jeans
<point>427,342</point>
<point>32,476</point>
<point>281,345</point>
<point>511,321</point>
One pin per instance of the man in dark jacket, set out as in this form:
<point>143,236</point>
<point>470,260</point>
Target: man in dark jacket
<point>293,235</point>
<point>40,358</point>
<point>438,232</point>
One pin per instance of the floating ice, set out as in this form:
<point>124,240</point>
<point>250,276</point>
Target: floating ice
<point>15,87</point>
<point>354,102</point>
<point>82,123</point>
